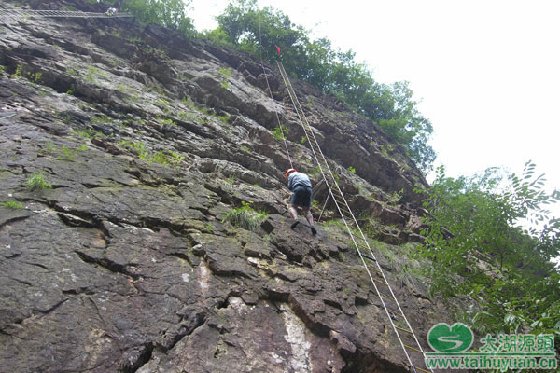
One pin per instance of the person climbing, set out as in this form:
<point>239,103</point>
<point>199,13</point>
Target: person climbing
<point>278,53</point>
<point>300,185</point>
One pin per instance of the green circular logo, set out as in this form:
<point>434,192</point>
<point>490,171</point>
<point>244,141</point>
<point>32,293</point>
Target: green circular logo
<point>450,339</point>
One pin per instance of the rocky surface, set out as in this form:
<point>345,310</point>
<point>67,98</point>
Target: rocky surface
<point>127,262</point>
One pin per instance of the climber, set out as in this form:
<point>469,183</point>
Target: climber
<point>300,185</point>
<point>278,53</point>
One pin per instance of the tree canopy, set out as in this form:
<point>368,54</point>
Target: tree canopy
<point>491,238</point>
<point>168,13</point>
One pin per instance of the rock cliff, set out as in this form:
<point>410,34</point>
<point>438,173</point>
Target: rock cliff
<point>127,262</point>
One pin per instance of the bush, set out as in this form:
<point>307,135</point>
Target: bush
<point>167,157</point>
<point>245,217</point>
<point>37,181</point>
<point>15,205</point>
<point>479,248</point>
<point>279,133</point>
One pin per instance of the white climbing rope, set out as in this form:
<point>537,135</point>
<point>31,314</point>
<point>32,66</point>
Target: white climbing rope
<point>284,137</point>
<point>350,222</point>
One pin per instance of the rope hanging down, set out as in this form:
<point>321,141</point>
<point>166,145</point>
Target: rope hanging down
<point>284,137</point>
<point>359,239</point>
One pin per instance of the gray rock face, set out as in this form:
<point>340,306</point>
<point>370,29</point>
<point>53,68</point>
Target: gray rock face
<point>127,262</point>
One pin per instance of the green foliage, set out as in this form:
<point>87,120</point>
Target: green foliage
<point>123,88</point>
<point>72,72</point>
<point>395,197</point>
<point>187,116</point>
<point>93,74</point>
<point>279,133</point>
<point>245,217</point>
<point>168,122</point>
<point>37,181</point>
<point>163,104</point>
<point>154,53</point>
<point>32,76</point>
<point>315,205</point>
<point>87,133</point>
<point>352,170</point>
<point>50,149</point>
<point>402,121</point>
<point>242,20</point>
<point>225,74</point>
<point>218,36</point>
<point>223,118</point>
<point>189,103</point>
<point>37,76</point>
<point>386,150</point>
<point>137,147</point>
<point>479,248</point>
<point>336,223</point>
<point>12,204</point>
<point>100,120</point>
<point>19,72</point>
<point>315,172</point>
<point>168,13</point>
<point>167,157</point>
<point>2,69</point>
<point>258,30</point>
<point>68,153</point>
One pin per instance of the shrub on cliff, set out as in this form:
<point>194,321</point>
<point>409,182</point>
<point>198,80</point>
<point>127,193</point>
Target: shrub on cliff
<point>245,217</point>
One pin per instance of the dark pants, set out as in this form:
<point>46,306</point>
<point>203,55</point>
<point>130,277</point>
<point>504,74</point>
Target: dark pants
<point>301,197</point>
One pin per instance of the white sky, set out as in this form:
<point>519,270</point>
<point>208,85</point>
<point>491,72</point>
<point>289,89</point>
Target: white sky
<point>487,72</point>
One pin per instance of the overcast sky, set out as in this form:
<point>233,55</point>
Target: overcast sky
<point>486,72</point>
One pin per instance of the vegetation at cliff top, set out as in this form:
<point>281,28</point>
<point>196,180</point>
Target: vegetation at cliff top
<point>258,30</point>
<point>245,26</point>
<point>168,13</point>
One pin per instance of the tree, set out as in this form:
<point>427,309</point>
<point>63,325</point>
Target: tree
<point>477,239</point>
<point>258,30</point>
<point>168,13</point>
<point>397,113</point>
